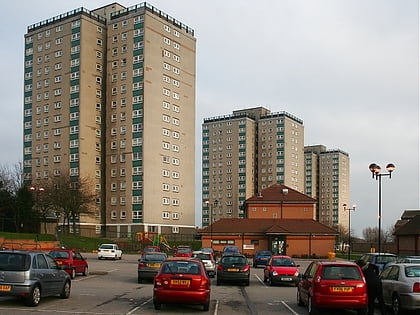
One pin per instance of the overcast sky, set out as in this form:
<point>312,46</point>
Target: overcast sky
<point>348,68</point>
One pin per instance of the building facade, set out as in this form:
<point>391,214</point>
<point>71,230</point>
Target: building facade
<point>244,153</point>
<point>327,179</point>
<point>109,96</point>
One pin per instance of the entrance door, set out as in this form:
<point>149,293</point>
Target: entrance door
<point>278,245</point>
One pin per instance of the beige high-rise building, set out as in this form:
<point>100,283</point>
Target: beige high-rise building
<point>327,179</point>
<point>110,96</point>
<point>245,152</point>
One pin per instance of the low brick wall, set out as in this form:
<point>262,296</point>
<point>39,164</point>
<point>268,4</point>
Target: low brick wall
<point>25,244</point>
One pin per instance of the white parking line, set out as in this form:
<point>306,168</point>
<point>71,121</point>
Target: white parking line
<point>289,308</point>
<point>260,280</point>
<point>136,308</point>
<point>216,308</point>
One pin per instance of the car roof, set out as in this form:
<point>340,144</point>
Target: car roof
<point>233,254</point>
<point>336,263</point>
<point>183,259</point>
<point>377,254</point>
<point>281,256</point>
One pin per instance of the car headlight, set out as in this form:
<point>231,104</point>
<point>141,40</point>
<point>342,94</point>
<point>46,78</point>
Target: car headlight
<point>274,273</point>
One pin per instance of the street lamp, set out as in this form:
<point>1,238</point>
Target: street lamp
<point>349,209</point>
<point>210,206</point>
<point>376,174</point>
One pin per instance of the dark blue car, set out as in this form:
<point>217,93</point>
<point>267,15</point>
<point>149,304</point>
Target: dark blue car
<point>261,258</point>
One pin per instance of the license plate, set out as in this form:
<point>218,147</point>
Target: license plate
<point>5,288</point>
<point>342,289</point>
<point>182,282</point>
<point>233,270</point>
<point>286,279</point>
<point>153,265</point>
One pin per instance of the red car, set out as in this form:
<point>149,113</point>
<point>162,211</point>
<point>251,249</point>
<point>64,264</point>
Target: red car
<point>281,270</point>
<point>151,249</point>
<point>183,251</point>
<point>71,261</point>
<point>333,285</point>
<point>182,281</point>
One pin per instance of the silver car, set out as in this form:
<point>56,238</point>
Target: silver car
<point>32,275</point>
<point>401,287</point>
<point>208,261</point>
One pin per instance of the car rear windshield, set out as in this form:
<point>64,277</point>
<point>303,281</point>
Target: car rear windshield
<point>106,247</point>
<point>202,256</point>
<point>184,250</point>
<point>341,273</point>
<point>412,271</point>
<point>154,257</point>
<point>63,255</point>
<point>264,253</point>
<point>233,260</point>
<point>184,267</point>
<point>14,262</point>
<point>382,259</point>
<point>283,262</point>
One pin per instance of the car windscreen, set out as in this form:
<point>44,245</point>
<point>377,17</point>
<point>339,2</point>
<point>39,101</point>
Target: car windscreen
<point>184,250</point>
<point>59,254</point>
<point>202,256</point>
<point>264,253</point>
<point>282,262</point>
<point>341,273</point>
<point>14,262</point>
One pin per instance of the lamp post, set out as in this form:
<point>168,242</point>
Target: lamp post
<point>349,209</point>
<point>376,174</point>
<point>210,206</point>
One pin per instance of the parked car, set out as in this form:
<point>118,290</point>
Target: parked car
<point>208,261</point>
<point>149,264</point>
<point>71,261</point>
<point>112,251</point>
<point>409,259</point>
<point>233,267</point>
<point>207,250</point>
<point>379,259</point>
<point>150,249</point>
<point>334,285</point>
<point>281,270</point>
<point>182,280</point>
<point>231,249</point>
<point>32,276</point>
<point>401,287</point>
<point>183,251</point>
<point>261,258</point>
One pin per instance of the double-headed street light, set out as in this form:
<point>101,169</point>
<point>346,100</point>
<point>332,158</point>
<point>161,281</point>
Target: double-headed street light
<point>376,174</point>
<point>349,209</point>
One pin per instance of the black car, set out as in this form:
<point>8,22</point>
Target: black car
<point>233,268</point>
<point>31,276</point>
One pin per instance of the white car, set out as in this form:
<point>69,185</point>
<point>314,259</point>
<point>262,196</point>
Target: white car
<point>109,251</point>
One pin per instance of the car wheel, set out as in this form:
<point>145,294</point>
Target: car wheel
<point>99,258</point>
<point>206,306</point>
<point>396,305</point>
<point>311,309</point>
<point>270,280</point>
<point>139,280</point>
<point>265,278</point>
<point>157,305</point>
<point>218,282</point>
<point>120,257</point>
<point>73,273</point>
<point>34,296</point>
<point>247,283</point>
<point>299,299</point>
<point>86,271</point>
<point>65,293</point>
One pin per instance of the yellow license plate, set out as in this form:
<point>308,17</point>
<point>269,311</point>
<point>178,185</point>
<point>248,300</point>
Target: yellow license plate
<point>5,288</point>
<point>180,282</point>
<point>342,289</point>
<point>153,265</point>
<point>233,269</point>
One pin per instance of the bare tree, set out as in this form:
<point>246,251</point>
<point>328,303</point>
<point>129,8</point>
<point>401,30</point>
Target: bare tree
<point>71,198</point>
